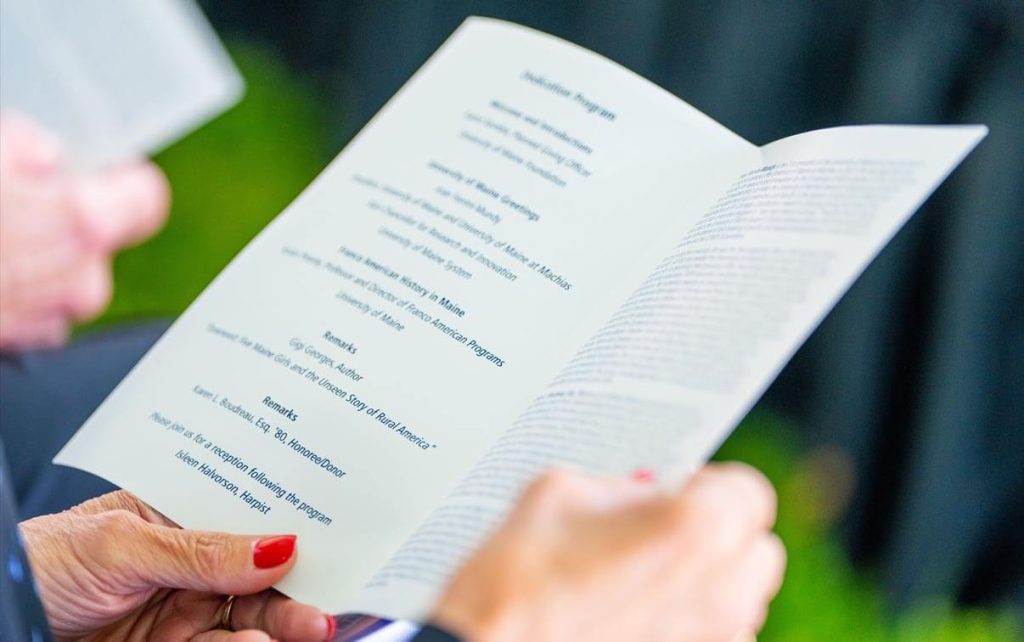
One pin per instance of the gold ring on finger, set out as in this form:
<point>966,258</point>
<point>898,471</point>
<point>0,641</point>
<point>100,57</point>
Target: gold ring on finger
<point>225,612</point>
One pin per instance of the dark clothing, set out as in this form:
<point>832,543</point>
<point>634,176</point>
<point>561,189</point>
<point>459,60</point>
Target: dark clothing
<point>21,614</point>
<point>434,634</point>
<point>45,396</point>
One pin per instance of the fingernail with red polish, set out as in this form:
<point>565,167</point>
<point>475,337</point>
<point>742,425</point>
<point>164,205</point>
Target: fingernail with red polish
<point>643,475</point>
<point>332,628</point>
<point>273,551</point>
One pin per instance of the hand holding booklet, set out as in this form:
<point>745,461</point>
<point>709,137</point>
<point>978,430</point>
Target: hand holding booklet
<point>530,257</point>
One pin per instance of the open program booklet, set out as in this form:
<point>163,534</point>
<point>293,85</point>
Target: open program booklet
<point>530,257</point>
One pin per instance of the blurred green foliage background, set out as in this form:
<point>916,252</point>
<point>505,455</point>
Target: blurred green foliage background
<point>228,180</point>
<point>233,176</point>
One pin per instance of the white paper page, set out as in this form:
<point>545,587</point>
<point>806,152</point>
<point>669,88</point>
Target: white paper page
<point>547,180</point>
<point>680,363</point>
<point>115,79</point>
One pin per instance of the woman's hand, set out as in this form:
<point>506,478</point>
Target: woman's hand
<point>59,231</point>
<point>113,568</point>
<point>611,560</point>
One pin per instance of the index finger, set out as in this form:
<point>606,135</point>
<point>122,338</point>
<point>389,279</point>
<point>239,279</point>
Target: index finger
<point>121,206</point>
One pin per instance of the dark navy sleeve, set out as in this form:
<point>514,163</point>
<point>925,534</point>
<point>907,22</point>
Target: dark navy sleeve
<point>21,613</point>
<point>433,634</point>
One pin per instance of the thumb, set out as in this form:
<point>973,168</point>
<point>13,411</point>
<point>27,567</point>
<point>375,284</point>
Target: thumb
<point>213,562</point>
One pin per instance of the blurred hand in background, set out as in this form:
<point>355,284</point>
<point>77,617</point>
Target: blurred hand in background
<point>592,559</point>
<point>59,231</point>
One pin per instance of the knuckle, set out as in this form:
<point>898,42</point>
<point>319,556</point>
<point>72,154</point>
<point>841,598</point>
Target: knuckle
<point>713,506</point>
<point>777,549</point>
<point>744,490</point>
<point>752,480</point>
<point>145,197</point>
<point>710,522</point>
<point>123,499</point>
<point>109,532</point>
<point>740,608</point>
<point>158,201</point>
<point>775,560</point>
<point>552,482</point>
<point>106,503</point>
<point>208,553</point>
<point>118,523</point>
<point>91,230</point>
<point>735,468</point>
<point>546,493</point>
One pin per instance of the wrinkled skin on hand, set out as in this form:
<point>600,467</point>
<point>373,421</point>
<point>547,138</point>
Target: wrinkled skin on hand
<point>115,569</point>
